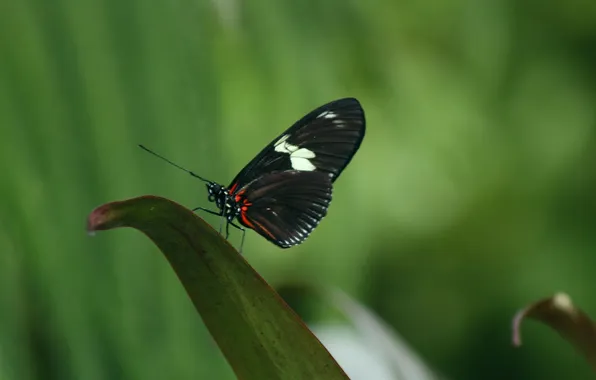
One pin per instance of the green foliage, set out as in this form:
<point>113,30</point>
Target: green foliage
<point>472,193</point>
<point>260,336</point>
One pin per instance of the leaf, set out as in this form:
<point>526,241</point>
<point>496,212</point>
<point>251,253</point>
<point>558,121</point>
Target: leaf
<point>260,336</point>
<point>388,345</point>
<point>560,314</point>
<point>367,347</point>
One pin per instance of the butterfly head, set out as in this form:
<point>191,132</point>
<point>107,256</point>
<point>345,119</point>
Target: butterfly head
<point>217,194</point>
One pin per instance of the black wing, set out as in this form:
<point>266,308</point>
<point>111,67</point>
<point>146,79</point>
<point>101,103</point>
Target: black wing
<point>285,207</point>
<point>324,140</point>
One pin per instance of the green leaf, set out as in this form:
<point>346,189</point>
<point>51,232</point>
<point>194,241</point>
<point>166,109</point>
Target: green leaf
<point>260,336</point>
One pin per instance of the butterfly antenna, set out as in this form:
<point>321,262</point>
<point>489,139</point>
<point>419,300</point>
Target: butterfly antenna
<point>173,164</point>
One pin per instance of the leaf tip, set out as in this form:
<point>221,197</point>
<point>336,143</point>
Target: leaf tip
<point>543,310</point>
<point>102,218</point>
<point>517,320</point>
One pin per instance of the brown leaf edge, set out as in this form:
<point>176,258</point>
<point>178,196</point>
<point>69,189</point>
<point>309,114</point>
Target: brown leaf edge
<point>559,313</point>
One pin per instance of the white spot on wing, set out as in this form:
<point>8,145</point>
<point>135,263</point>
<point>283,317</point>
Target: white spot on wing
<point>302,164</point>
<point>299,157</point>
<point>280,145</point>
<point>303,153</point>
<point>327,115</point>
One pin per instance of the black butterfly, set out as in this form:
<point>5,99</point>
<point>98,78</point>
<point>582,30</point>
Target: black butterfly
<point>284,192</point>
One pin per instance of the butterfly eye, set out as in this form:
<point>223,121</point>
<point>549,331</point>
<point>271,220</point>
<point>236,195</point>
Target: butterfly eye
<point>211,197</point>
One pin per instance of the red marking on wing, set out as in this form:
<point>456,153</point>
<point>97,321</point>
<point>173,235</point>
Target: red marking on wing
<point>245,220</point>
<point>251,223</point>
<point>266,230</point>
<point>239,196</point>
<point>245,204</point>
<point>233,188</point>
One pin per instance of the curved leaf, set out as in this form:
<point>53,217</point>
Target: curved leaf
<point>563,316</point>
<point>260,336</point>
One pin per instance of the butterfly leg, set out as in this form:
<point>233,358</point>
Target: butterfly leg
<point>242,240</point>
<point>204,209</point>
<point>243,233</point>
<point>221,222</point>
<point>213,213</point>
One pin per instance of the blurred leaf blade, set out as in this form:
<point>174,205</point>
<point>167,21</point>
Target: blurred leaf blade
<point>406,364</point>
<point>559,313</point>
<point>260,336</point>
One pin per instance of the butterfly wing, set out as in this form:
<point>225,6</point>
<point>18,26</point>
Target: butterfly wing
<point>325,140</point>
<point>285,207</point>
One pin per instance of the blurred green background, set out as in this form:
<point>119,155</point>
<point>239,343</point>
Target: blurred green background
<point>473,192</point>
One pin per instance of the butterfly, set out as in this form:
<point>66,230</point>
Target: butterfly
<point>285,191</point>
